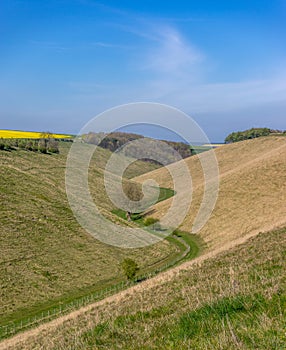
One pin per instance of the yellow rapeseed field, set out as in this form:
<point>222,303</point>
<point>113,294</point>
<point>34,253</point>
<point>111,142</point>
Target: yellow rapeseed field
<point>14,134</point>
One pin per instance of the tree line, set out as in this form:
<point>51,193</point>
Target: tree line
<point>115,140</point>
<point>34,145</point>
<point>251,134</point>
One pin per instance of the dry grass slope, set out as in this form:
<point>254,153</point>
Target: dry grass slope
<point>252,190</point>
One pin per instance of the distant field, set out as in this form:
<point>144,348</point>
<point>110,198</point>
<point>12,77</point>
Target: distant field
<point>15,134</point>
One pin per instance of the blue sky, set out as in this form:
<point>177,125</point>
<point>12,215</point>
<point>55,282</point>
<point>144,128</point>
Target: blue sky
<point>64,61</point>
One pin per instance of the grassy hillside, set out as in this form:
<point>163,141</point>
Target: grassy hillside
<point>252,190</point>
<point>46,257</point>
<point>235,300</point>
<point>228,301</point>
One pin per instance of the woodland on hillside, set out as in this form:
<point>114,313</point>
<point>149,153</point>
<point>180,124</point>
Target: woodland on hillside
<point>115,140</point>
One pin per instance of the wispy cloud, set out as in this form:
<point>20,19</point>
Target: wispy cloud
<point>171,54</point>
<point>179,77</point>
<point>176,72</point>
<point>160,46</point>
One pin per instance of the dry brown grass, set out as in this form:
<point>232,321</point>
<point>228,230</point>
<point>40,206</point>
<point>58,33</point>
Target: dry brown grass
<point>252,190</point>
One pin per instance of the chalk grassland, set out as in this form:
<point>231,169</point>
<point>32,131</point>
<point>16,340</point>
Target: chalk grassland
<point>228,301</point>
<point>252,191</point>
<point>15,134</point>
<point>234,300</point>
<point>46,257</point>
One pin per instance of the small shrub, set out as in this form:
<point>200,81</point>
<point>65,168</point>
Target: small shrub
<point>130,268</point>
